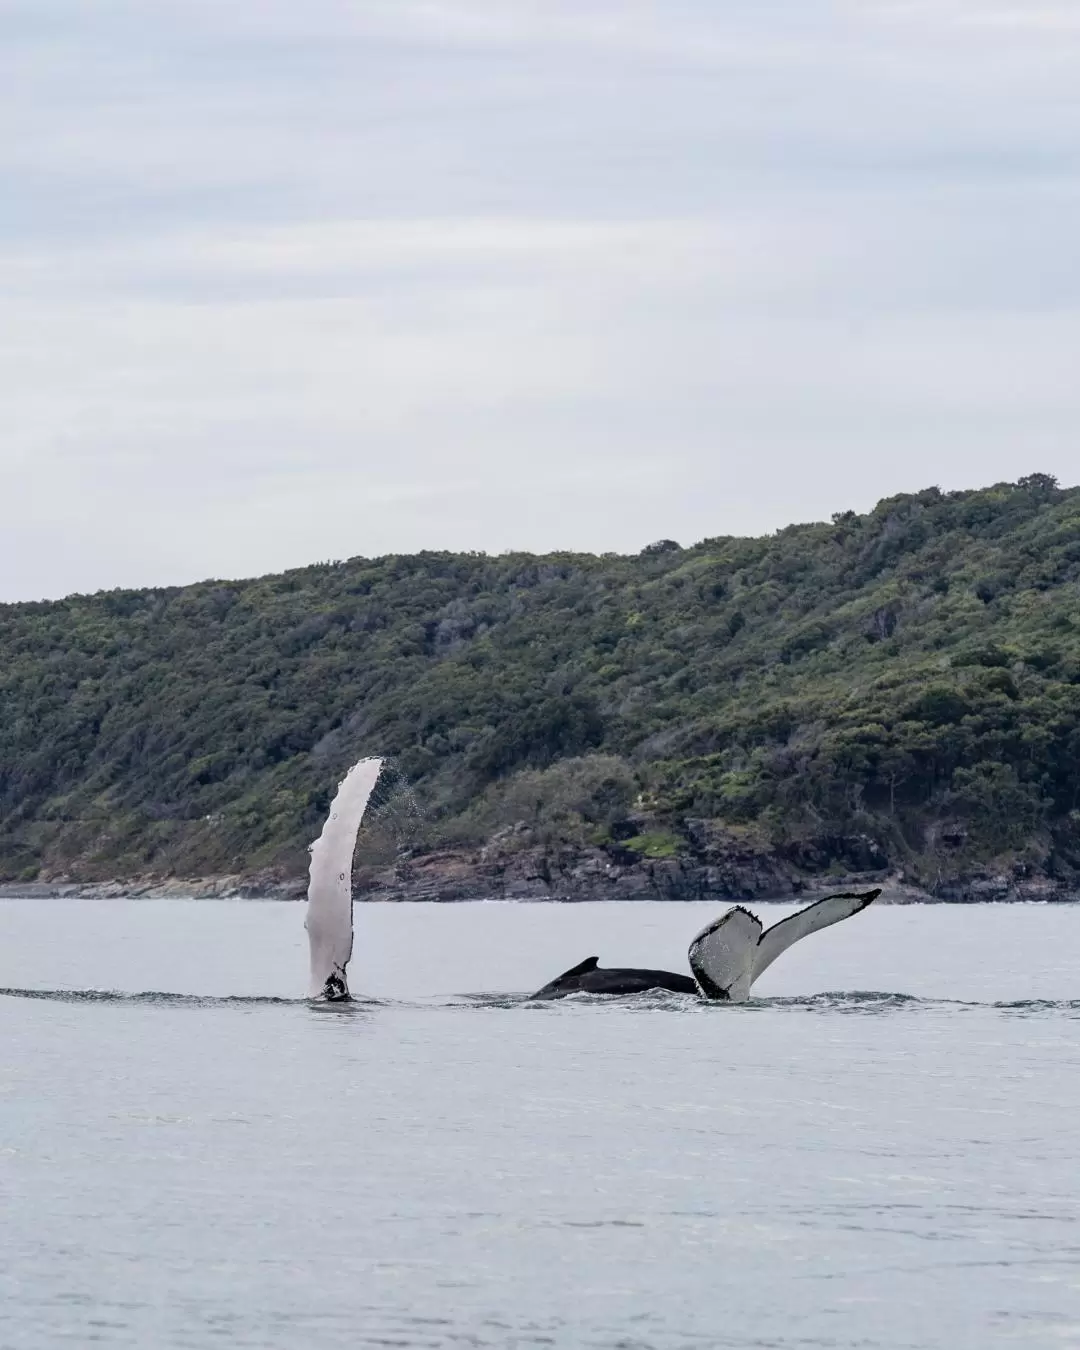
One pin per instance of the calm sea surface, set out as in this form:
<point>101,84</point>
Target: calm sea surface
<point>881,1150</point>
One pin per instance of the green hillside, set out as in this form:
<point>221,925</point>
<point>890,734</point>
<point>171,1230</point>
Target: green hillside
<point>899,687</point>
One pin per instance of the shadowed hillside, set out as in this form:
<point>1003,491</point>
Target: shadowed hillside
<point>897,690</point>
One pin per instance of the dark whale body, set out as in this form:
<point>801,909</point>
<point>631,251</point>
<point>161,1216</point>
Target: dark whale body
<point>588,978</point>
<point>727,956</point>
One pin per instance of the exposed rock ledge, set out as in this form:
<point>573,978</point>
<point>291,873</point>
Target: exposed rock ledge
<point>744,872</point>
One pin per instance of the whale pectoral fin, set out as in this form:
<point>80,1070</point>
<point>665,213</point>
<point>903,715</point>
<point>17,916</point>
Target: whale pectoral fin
<point>722,955</point>
<point>329,918</point>
<point>590,963</point>
<point>832,909</point>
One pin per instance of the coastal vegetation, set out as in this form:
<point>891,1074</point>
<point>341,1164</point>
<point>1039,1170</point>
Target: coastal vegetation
<point>900,688</point>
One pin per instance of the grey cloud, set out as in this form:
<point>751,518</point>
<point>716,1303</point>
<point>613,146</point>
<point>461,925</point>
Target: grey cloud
<point>287,281</point>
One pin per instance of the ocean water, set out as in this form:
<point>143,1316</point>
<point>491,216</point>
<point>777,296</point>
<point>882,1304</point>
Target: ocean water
<point>881,1150</point>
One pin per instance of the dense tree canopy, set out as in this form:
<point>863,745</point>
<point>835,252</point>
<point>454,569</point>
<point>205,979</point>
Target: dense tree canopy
<point>910,676</point>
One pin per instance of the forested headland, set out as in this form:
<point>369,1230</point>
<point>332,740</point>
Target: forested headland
<point>890,693</point>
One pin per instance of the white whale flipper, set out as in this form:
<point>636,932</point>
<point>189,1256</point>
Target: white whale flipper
<point>729,954</point>
<point>722,955</point>
<point>329,908</point>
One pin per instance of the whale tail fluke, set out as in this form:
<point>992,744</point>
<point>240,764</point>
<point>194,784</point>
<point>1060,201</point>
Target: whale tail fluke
<point>729,954</point>
<point>722,955</point>
<point>821,914</point>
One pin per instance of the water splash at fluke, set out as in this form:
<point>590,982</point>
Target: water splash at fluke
<point>329,921</point>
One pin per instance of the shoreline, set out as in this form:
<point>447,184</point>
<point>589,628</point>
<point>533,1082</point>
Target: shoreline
<point>384,889</point>
<point>725,868</point>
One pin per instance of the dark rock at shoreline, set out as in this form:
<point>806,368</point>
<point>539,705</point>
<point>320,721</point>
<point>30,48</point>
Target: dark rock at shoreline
<point>726,867</point>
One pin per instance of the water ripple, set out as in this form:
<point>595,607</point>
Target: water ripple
<point>844,1001</point>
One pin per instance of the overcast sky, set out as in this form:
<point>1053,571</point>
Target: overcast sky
<point>290,280</point>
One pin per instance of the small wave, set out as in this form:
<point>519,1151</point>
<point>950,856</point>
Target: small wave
<point>874,1001</point>
<point>669,1000</point>
<point>1040,1005</point>
<point>485,1001</point>
<point>865,1001</point>
<point>853,1001</point>
<point>644,1001</point>
<point>163,999</point>
<point>844,1000</point>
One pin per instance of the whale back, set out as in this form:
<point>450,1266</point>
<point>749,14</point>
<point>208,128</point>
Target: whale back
<point>588,977</point>
<point>722,955</point>
<point>590,963</point>
<point>329,909</point>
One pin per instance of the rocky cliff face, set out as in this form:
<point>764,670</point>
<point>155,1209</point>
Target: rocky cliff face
<point>707,861</point>
<point>513,866</point>
<point>721,865</point>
